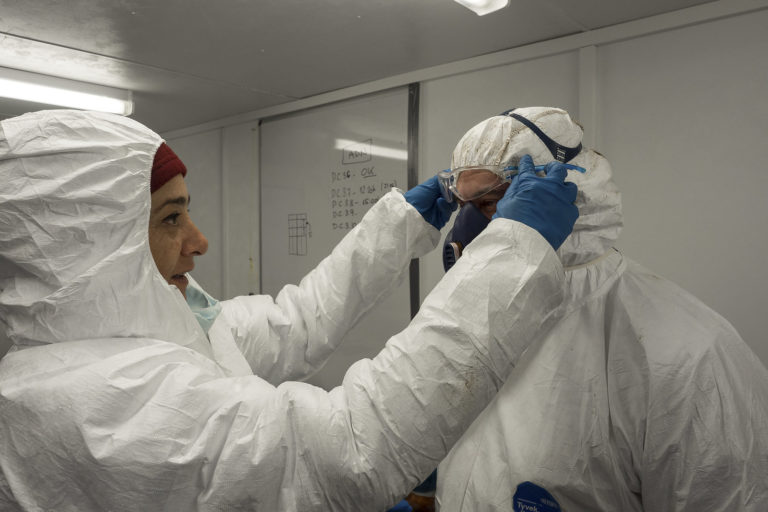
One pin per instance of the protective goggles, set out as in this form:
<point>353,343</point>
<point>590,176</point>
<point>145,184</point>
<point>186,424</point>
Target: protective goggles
<point>469,183</point>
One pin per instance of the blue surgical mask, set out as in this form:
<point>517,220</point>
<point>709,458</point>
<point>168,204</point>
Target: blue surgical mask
<point>203,306</point>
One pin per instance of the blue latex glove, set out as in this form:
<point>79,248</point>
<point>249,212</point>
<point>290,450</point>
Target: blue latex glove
<point>428,200</point>
<point>403,506</point>
<point>543,203</point>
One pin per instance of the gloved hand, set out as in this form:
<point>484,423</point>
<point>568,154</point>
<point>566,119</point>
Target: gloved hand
<point>428,200</point>
<point>543,203</point>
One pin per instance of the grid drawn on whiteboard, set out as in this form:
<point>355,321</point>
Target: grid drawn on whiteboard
<point>297,234</point>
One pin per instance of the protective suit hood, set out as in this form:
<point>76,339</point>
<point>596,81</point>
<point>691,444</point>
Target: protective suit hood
<point>74,213</point>
<point>504,140</point>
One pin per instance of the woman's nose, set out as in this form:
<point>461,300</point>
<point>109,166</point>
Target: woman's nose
<point>196,243</point>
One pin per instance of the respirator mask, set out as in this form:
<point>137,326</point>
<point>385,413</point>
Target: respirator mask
<point>469,223</point>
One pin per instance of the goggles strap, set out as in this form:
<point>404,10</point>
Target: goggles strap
<point>561,153</point>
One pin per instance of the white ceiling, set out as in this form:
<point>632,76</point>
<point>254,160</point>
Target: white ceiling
<point>193,61</point>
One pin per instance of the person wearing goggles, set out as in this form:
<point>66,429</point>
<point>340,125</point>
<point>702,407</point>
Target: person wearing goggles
<point>639,398</point>
<point>478,178</point>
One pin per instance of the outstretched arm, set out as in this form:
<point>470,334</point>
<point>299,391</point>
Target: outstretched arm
<point>291,336</point>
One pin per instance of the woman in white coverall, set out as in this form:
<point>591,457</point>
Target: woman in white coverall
<point>640,398</point>
<point>113,397</point>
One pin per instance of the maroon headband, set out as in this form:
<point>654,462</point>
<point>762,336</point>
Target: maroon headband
<point>165,166</point>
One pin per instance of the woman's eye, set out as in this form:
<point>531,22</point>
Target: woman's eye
<point>172,219</point>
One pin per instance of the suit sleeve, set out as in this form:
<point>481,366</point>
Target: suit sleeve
<point>291,336</point>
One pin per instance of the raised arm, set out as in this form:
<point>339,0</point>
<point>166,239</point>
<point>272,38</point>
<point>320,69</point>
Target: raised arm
<point>292,335</point>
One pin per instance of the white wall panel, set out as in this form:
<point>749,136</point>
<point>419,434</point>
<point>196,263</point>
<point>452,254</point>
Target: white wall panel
<point>240,210</point>
<point>684,118</point>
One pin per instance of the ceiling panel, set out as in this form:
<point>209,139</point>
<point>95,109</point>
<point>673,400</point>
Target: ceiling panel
<point>595,14</point>
<point>191,61</point>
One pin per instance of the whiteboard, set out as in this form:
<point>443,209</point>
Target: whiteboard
<point>321,170</point>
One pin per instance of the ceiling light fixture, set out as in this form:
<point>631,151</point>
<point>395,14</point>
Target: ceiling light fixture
<point>22,85</point>
<point>482,7</point>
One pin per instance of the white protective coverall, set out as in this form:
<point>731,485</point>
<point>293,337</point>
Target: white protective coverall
<point>640,398</point>
<point>113,398</point>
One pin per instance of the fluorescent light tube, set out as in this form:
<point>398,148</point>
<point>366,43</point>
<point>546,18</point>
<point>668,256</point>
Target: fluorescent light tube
<point>482,7</point>
<point>22,85</point>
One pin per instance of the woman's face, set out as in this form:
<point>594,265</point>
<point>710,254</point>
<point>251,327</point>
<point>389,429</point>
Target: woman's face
<point>174,240</point>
